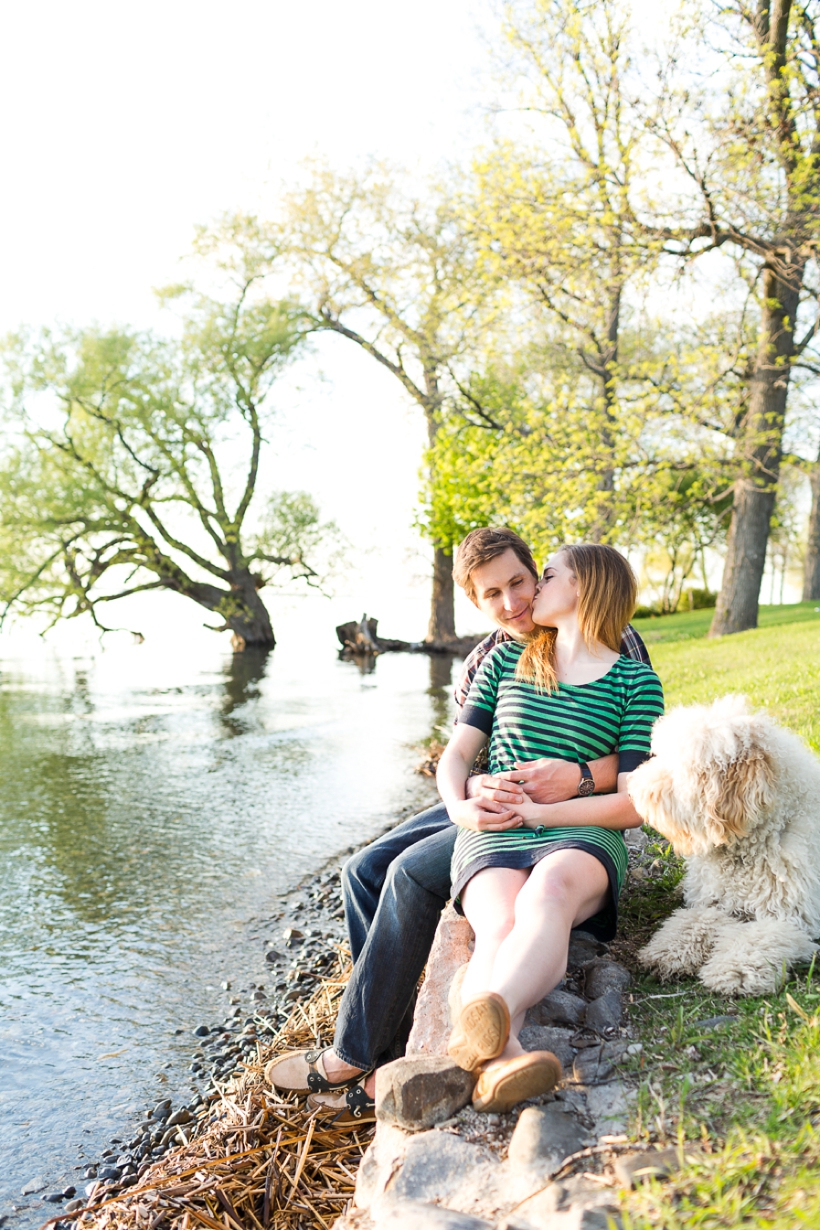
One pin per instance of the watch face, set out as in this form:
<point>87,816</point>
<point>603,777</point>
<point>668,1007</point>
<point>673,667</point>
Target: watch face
<point>587,786</point>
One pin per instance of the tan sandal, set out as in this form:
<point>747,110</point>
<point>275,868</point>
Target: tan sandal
<point>482,1031</point>
<point>299,1072</point>
<point>343,1112</point>
<point>504,1085</point>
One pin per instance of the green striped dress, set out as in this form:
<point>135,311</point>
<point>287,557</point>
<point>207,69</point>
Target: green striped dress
<point>578,722</point>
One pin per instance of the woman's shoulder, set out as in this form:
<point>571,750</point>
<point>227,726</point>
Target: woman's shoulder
<point>636,674</point>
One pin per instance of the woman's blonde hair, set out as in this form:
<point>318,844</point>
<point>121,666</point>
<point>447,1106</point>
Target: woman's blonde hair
<point>607,594</point>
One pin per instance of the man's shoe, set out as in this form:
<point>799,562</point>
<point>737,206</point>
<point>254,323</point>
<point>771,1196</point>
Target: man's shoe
<point>343,1112</point>
<point>482,1031</point>
<point>504,1085</point>
<point>303,1072</point>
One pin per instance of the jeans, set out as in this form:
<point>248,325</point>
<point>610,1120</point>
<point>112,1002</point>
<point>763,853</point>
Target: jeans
<point>394,891</point>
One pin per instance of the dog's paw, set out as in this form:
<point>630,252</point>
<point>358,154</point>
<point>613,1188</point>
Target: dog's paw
<point>754,958</point>
<point>683,943</point>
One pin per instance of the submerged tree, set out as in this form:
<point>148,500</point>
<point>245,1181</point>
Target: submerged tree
<point>120,468</point>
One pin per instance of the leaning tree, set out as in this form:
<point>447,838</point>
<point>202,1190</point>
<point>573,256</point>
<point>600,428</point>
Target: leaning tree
<point>130,463</point>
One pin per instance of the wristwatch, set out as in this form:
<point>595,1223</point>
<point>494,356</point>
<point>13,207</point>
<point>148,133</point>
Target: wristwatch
<point>587,783</point>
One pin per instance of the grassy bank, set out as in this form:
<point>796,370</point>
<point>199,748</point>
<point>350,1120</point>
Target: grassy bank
<point>746,1088</point>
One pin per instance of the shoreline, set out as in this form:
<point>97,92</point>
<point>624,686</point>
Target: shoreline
<point>308,921</point>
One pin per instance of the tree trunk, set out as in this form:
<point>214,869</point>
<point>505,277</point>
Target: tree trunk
<point>246,616</point>
<point>760,452</point>
<point>811,571</point>
<point>241,608</point>
<point>442,626</point>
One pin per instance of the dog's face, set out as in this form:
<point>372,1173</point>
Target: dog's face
<point>711,776</point>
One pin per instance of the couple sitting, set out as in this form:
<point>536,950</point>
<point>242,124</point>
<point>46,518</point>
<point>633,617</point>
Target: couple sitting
<point>565,695</point>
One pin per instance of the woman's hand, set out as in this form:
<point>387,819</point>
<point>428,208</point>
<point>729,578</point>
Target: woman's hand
<point>495,787</point>
<point>483,815</point>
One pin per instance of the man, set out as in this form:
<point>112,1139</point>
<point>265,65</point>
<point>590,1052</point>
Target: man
<point>395,889</point>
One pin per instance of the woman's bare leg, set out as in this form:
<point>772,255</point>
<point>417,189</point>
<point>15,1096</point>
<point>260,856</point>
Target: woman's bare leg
<point>489,905</point>
<point>561,891</point>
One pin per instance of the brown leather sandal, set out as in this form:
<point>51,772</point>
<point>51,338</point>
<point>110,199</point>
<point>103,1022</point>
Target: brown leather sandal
<point>482,1031</point>
<point>504,1085</point>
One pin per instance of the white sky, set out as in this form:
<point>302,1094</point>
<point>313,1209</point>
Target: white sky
<point>126,125</point>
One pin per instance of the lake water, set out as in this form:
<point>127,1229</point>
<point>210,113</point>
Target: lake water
<point>153,803</point>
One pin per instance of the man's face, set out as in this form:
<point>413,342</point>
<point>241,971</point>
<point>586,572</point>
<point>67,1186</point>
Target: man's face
<point>504,590</point>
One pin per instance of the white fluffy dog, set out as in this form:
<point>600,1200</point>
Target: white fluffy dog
<point>739,796</point>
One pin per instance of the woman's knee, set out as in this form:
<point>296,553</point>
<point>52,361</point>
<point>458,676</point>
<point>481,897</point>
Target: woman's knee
<point>555,886</point>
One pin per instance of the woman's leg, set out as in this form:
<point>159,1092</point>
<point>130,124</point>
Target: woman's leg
<point>488,901</point>
<point>562,891</point>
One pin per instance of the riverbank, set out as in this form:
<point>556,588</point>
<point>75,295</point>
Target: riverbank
<point>737,1082</point>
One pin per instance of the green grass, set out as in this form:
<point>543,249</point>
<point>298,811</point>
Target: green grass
<point>776,666</point>
<point>688,625</point>
<point>747,1091</point>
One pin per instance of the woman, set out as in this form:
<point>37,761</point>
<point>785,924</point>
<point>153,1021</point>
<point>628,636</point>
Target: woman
<point>567,693</point>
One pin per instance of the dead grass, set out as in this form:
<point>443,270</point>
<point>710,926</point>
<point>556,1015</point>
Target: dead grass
<point>256,1158</point>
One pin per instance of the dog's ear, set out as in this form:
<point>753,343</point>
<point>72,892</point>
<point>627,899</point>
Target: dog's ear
<point>734,799</point>
<point>651,788</point>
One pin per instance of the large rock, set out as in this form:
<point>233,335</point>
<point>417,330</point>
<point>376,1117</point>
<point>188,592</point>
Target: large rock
<point>452,947</point>
<point>590,1066</point>
<point>558,1008</point>
<point>548,1038</point>
<point>417,1215</point>
<point>634,1168</point>
<point>419,1091</point>
<point>605,1012</point>
<point>442,1168</point>
<point>583,948</point>
<point>574,1204</point>
<point>601,976</point>
<point>544,1137</point>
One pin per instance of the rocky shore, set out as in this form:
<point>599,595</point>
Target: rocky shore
<point>309,932</point>
<point>555,1164</point>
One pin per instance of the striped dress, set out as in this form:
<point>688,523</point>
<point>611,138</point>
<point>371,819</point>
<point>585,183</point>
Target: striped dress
<point>578,722</point>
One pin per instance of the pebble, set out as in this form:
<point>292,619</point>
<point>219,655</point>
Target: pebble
<point>201,1031</point>
<point>33,1186</point>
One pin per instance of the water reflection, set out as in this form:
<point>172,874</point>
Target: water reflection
<point>148,811</point>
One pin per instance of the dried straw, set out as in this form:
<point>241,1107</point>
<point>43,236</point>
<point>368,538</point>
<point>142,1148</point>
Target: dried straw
<point>255,1158</point>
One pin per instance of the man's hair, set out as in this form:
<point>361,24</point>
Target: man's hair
<point>480,546</point>
<point>607,593</point>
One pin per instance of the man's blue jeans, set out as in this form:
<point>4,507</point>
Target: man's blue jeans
<point>394,891</point>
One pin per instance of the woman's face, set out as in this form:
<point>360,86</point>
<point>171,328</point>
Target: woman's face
<point>556,595</point>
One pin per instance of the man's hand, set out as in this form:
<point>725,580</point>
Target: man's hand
<point>494,789</point>
<point>545,780</point>
<point>484,816</point>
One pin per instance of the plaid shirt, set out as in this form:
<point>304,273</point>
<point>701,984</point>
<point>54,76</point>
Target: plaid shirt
<point>631,645</point>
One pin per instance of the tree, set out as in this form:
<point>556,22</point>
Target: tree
<point>745,134</point>
<point>811,567</point>
<point>395,274</point>
<point>559,216</point>
<point>112,478</point>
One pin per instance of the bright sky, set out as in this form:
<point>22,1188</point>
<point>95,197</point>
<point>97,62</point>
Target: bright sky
<point>125,125</point>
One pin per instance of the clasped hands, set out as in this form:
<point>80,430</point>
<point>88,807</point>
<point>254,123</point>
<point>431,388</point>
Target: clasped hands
<point>517,797</point>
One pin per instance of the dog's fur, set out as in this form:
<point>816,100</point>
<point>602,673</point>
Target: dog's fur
<point>739,796</point>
